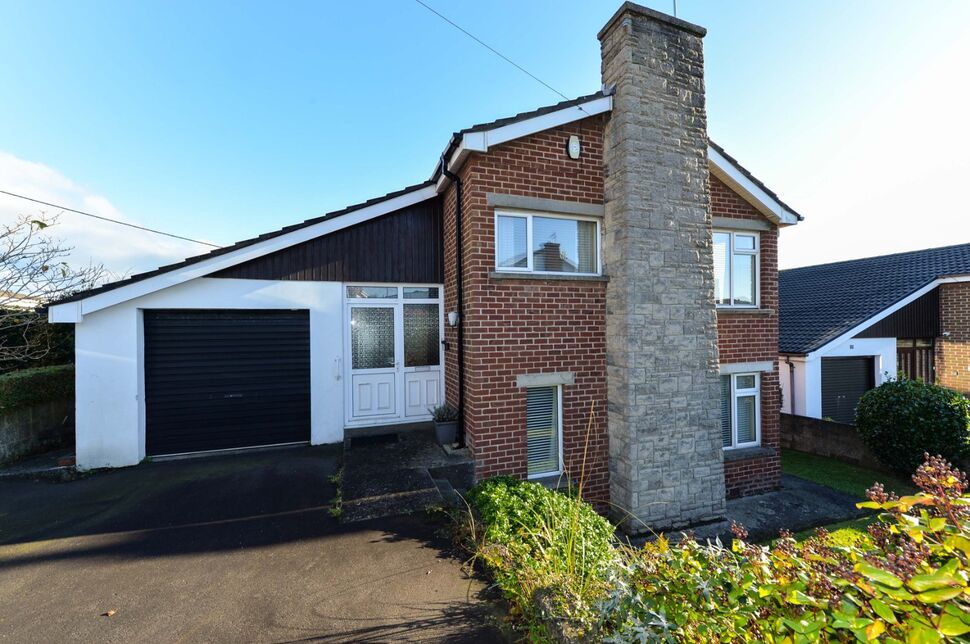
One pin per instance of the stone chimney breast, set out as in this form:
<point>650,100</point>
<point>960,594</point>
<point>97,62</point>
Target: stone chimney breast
<point>666,460</point>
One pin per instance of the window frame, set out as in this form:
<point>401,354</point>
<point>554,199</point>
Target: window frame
<point>559,425</point>
<point>735,394</point>
<point>529,215</point>
<point>756,252</point>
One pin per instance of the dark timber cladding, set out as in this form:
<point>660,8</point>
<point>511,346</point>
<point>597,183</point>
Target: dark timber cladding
<point>220,379</point>
<point>918,319</point>
<point>402,246</point>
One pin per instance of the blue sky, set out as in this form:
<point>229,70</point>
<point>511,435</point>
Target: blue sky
<point>223,120</point>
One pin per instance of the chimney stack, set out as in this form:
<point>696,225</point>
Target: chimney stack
<point>666,459</point>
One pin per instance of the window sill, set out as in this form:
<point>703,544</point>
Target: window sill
<point>498,275</point>
<point>729,310</point>
<point>552,481</point>
<point>745,453</point>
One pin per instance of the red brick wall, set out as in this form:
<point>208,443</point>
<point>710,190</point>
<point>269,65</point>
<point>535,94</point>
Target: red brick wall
<point>753,337</point>
<point>515,327</point>
<point>953,352</point>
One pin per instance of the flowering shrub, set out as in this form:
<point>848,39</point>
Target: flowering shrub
<point>908,582</point>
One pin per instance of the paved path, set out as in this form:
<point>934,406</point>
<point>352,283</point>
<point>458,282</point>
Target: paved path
<point>236,548</point>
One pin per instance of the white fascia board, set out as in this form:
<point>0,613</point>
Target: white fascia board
<point>862,326</point>
<point>752,193</point>
<point>512,131</point>
<point>68,313</point>
<point>74,311</point>
<point>483,140</point>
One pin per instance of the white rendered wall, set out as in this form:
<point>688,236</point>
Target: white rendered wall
<point>110,348</point>
<point>785,379</point>
<point>808,373</point>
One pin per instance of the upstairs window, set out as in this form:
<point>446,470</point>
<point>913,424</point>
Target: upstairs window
<point>736,259</point>
<point>740,410</point>
<point>546,244</point>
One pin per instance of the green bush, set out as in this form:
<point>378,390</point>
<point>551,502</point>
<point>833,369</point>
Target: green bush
<point>907,581</point>
<point>35,385</point>
<point>548,551</point>
<point>901,420</point>
<point>31,341</point>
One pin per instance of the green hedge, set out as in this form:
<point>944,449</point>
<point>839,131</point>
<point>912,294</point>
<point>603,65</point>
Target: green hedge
<point>900,420</point>
<point>27,387</point>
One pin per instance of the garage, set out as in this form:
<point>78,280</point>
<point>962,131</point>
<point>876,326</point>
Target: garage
<point>844,380</point>
<point>225,379</point>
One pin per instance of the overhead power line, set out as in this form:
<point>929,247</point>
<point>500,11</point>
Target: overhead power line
<point>495,51</point>
<point>108,219</point>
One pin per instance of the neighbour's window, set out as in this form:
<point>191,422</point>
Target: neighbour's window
<point>546,243</point>
<point>740,410</point>
<point>543,421</point>
<point>735,268</point>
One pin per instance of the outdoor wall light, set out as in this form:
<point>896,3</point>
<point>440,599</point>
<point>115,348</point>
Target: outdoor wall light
<point>453,318</point>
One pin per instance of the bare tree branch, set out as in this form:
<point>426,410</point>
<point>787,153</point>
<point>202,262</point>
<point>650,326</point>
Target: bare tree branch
<point>33,273</point>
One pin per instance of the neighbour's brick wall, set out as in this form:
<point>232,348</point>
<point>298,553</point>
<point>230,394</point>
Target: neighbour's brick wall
<point>753,337</point>
<point>515,327</point>
<point>953,352</point>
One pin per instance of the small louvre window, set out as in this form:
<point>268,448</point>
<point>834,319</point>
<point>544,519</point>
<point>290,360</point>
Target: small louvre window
<point>740,402</point>
<point>543,428</point>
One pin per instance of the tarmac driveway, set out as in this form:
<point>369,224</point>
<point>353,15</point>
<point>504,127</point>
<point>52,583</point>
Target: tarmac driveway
<point>231,548</point>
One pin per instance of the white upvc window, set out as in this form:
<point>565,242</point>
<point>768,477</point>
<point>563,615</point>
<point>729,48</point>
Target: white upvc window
<point>543,421</point>
<point>740,410</point>
<point>528,242</point>
<point>736,268</point>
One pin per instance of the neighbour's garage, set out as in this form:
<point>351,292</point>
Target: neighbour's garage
<point>220,379</point>
<point>844,380</point>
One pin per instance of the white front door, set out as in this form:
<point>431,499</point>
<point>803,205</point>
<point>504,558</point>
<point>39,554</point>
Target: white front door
<point>374,360</point>
<point>394,353</point>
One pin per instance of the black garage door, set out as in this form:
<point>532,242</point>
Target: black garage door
<point>225,379</point>
<point>844,380</point>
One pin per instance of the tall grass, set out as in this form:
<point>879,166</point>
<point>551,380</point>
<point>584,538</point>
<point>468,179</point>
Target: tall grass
<point>549,552</point>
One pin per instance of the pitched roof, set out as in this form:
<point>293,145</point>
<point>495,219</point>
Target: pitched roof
<point>820,303</point>
<point>453,143</point>
<point>752,178</point>
<point>457,137</point>
<point>241,244</point>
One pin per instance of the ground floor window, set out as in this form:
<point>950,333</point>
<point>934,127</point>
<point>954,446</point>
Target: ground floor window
<point>914,358</point>
<point>544,430</point>
<point>740,410</point>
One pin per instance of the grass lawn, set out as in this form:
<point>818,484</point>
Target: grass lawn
<point>851,479</point>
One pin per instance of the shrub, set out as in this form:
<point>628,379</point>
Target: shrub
<point>549,552</point>
<point>906,582</point>
<point>35,385</point>
<point>900,420</point>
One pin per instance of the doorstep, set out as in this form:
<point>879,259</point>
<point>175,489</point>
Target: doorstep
<point>400,471</point>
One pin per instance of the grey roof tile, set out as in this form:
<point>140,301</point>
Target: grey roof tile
<point>820,303</point>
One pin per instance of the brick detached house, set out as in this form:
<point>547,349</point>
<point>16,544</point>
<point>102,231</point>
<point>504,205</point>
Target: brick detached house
<point>594,285</point>
<point>849,326</point>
